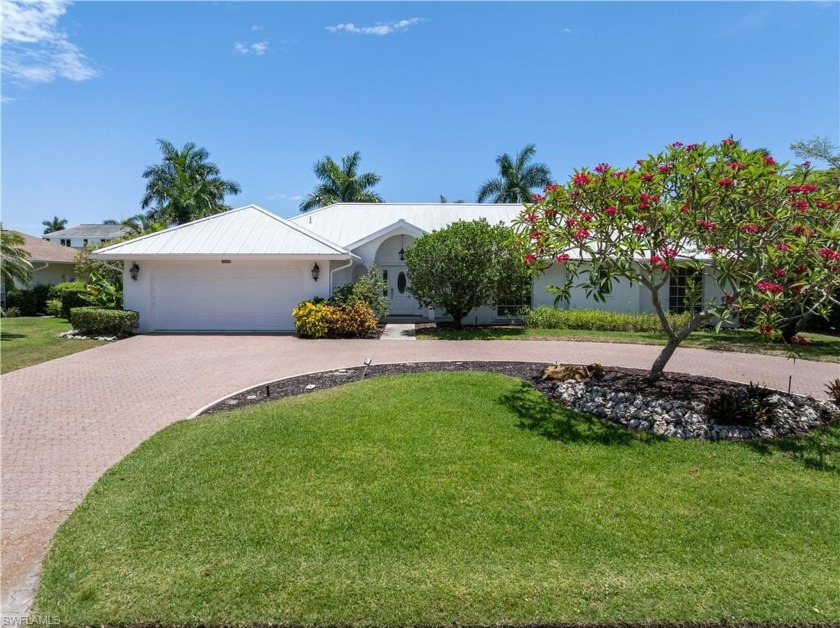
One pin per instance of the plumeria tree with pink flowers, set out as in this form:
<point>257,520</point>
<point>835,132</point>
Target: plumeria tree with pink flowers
<point>768,235</point>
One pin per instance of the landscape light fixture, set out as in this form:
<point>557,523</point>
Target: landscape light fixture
<point>367,362</point>
<point>316,271</point>
<point>402,249</point>
<point>134,270</point>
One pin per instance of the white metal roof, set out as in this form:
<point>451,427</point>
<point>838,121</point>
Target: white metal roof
<point>348,223</point>
<point>246,231</point>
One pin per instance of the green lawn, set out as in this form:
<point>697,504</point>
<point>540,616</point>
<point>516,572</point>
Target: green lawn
<point>824,348</point>
<point>446,498</point>
<point>30,340</point>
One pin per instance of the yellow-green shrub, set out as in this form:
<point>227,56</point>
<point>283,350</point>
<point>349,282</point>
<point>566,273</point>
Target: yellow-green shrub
<point>323,320</point>
<point>312,319</point>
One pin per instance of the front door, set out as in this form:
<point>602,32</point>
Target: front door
<point>402,303</point>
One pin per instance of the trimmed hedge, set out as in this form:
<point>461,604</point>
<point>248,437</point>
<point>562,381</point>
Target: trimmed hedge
<point>71,294</point>
<point>94,321</point>
<point>325,320</point>
<point>545,317</point>
<point>22,300</point>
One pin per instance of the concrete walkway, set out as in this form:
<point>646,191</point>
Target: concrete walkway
<point>65,422</point>
<point>399,331</point>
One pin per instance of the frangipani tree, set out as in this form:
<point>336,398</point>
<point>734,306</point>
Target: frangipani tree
<point>767,234</point>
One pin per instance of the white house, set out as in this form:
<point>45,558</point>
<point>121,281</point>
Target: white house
<point>82,235</point>
<point>246,269</point>
<point>51,263</point>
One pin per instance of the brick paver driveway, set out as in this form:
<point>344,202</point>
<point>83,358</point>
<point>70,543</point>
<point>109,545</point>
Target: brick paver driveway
<point>65,422</point>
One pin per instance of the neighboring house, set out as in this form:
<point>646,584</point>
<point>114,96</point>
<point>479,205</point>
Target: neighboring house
<point>78,237</point>
<point>51,263</point>
<point>246,269</point>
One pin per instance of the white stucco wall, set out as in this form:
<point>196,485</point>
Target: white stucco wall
<point>78,243</point>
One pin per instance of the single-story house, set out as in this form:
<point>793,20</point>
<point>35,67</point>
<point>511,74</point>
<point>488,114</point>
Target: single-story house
<point>246,269</point>
<point>82,235</point>
<point>51,263</point>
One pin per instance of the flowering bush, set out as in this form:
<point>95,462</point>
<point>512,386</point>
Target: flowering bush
<point>323,320</point>
<point>768,233</point>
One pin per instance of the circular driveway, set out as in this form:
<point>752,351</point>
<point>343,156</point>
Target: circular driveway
<point>65,422</point>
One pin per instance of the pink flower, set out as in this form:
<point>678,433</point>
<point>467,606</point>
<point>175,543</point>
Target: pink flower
<point>798,229</point>
<point>639,229</point>
<point>766,330</point>
<point>799,204</point>
<point>677,144</point>
<point>690,148</point>
<point>655,259</point>
<point>531,218</point>
<point>536,198</point>
<point>799,269</point>
<point>571,222</point>
<point>602,168</point>
<point>735,165</point>
<point>779,272</point>
<point>800,340</point>
<point>646,198</point>
<point>748,228</point>
<point>620,174</point>
<point>669,252</point>
<point>728,299</point>
<point>713,249</point>
<point>586,216</point>
<point>807,188</point>
<point>611,210</point>
<point>828,254</point>
<point>647,176</point>
<point>549,213</point>
<point>706,224</point>
<point>551,187</point>
<point>822,204</point>
<point>793,189</point>
<point>768,286</point>
<point>685,210</point>
<point>725,182</point>
<point>640,162</point>
<point>536,235</point>
<point>782,246</point>
<point>581,179</point>
<point>728,141</point>
<point>530,258</point>
<point>665,169</point>
<point>581,234</point>
<point>563,257</point>
<point>806,164</point>
<point>769,161</point>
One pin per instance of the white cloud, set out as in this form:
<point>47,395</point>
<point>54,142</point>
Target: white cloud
<point>378,29</point>
<point>256,28</point>
<point>285,197</point>
<point>259,48</point>
<point>35,50</point>
<point>567,30</point>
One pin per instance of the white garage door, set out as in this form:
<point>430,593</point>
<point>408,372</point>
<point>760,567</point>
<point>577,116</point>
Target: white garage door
<point>238,296</point>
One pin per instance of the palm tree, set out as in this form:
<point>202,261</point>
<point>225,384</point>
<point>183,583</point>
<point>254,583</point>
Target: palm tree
<point>55,224</point>
<point>15,266</point>
<point>517,178</point>
<point>341,184</point>
<point>142,224</point>
<point>185,186</point>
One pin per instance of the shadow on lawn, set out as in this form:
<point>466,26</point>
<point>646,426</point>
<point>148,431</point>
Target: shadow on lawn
<point>554,422</point>
<point>7,336</point>
<point>819,451</point>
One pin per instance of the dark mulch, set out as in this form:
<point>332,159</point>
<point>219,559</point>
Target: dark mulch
<point>671,386</point>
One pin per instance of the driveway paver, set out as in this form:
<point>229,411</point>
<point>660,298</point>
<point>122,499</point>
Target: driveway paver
<point>65,422</point>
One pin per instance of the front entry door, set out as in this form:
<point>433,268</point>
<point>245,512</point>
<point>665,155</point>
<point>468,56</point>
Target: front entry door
<point>402,303</point>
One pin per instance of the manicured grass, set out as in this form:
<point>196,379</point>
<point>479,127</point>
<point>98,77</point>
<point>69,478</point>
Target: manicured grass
<point>446,498</point>
<point>30,340</point>
<point>824,348</point>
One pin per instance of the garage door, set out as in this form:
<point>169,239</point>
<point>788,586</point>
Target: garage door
<point>227,297</point>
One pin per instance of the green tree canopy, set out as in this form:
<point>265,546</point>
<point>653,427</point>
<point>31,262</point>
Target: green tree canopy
<point>54,224</point>
<point>465,265</point>
<point>185,186</point>
<point>517,179</point>
<point>341,184</point>
<point>768,235</point>
<point>14,260</point>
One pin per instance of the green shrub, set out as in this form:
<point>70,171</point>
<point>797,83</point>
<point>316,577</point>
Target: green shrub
<point>71,294</point>
<point>22,300</point>
<point>369,289</point>
<point>94,321</point>
<point>42,293</point>
<point>324,320</point>
<point>545,317</point>
<point>53,307</point>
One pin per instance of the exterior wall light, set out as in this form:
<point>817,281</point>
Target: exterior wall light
<point>402,249</point>
<point>316,271</point>
<point>134,270</point>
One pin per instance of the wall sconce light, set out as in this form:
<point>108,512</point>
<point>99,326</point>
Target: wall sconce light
<point>316,271</point>
<point>134,270</point>
<point>402,249</point>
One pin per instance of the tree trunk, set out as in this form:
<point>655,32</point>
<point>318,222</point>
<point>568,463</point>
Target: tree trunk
<point>457,319</point>
<point>662,359</point>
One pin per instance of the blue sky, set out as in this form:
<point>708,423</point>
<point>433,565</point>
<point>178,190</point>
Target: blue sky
<point>430,93</point>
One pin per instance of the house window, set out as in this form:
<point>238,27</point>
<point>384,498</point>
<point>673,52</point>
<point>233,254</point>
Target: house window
<point>65,242</point>
<point>685,290</point>
<point>511,305</point>
<point>85,242</point>
<point>385,280</point>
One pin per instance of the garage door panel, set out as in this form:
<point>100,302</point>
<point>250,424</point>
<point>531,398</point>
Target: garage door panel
<point>235,297</point>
